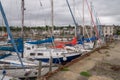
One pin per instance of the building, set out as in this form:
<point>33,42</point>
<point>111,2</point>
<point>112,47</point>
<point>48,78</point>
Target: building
<point>108,30</point>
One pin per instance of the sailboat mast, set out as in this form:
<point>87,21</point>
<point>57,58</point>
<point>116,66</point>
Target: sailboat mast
<point>74,16</point>
<point>22,8</point>
<point>52,16</point>
<point>91,19</point>
<point>83,20</point>
<point>2,33</point>
<point>74,7</point>
<point>76,25</point>
<point>52,21</point>
<point>22,29</point>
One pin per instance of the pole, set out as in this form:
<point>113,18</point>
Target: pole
<point>52,21</point>
<point>52,16</point>
<point>91,20</point>
<point>83,20</point>
<point>72,18</point>
<point>22,29</point>
<point>95,27</point>
<point>39,69</point>
<point>50,65</point>
<point>74,7</point>
<point>2,28</point>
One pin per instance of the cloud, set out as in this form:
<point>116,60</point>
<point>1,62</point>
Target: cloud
<point>36,15</point>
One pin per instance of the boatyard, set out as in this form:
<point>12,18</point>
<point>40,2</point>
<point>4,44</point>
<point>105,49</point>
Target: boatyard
<point>44,40</point>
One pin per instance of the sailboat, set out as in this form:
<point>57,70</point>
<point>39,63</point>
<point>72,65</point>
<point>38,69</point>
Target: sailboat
<point>89,43</point>
<point>44,54</point>
<point>13,63</point>
<point>79,45</point>
<point>32,50</point>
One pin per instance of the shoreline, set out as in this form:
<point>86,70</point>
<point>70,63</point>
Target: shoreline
<point>108,55</point>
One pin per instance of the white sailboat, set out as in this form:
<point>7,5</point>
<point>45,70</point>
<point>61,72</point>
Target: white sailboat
<point>12,63</point>
<point>44,54</point>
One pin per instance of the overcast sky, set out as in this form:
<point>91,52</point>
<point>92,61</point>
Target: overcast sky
<point>36,15</point>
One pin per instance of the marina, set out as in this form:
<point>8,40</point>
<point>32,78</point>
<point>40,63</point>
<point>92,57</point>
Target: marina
<point>82,51</point>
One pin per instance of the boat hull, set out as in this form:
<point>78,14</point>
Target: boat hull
<point>60,59</point>
<point>4,56</point>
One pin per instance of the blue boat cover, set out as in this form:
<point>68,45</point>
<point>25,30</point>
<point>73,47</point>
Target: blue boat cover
<point>90,39</point>
<point>48,40</point>
<point>18,42</point>
<point>81,41</point>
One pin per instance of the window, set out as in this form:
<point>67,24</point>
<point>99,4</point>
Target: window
<point>110,28</point>
<point>28,48</point>
<point>106,31</point>
<point>32,54</point>
<point>32,47</point>
<point>106,28</point>
<point>37,46</point>
<point>57,54</point>
<point>40,54</point>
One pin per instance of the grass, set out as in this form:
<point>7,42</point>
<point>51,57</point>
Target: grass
<point>106,52</point>
<point>107,55</point>
<point>86,74</point>
<point>65,69</point>
<point>88,58</point>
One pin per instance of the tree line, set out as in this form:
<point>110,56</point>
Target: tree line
<point>17,28</point>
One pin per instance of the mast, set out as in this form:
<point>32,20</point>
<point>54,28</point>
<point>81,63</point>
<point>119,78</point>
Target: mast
<point>76,25</point>
<point>22,29</point>
<point>2,33</point>
<point>75,17</point>
<point>52,22</point>
<point>74,7</point>
<point>95,27</point>
<point>83,20</point>
<point>52,16</point>
<point>91,19</point>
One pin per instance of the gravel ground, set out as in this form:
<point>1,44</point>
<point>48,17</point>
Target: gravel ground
<point>102,65</point>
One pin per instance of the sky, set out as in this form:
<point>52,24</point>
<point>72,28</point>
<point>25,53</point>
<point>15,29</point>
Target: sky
<point>38,12</point>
